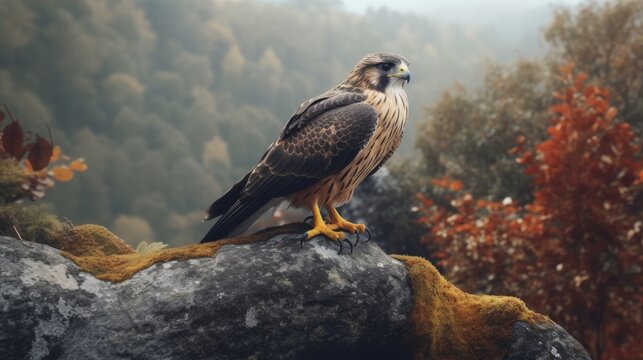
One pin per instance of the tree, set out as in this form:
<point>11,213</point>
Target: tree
<point>606,41</point>
<point>575,251</point>
<point>467,135</point>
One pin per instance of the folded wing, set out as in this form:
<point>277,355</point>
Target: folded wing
<point>321,139</point>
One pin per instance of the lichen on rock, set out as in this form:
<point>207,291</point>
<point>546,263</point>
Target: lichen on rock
<point>108,258</point>
<point>260,295</point>
<point>90,240</point>
<point>252,300</point>
<point>447,323</point>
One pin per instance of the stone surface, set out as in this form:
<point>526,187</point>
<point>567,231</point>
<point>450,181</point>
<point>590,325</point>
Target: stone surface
<point>264,300</point>
<point>543,342</point>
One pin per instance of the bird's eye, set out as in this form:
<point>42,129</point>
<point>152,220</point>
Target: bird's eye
<point>386,66</point>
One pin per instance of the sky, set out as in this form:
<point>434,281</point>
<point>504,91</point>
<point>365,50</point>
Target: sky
<point>515,21</point>
<point>458,10</point>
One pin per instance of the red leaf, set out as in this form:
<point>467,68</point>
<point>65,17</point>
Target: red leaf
<point>440,255</point>
<point>559,109</point>
<point>12,139</point>
<point>526,158</point>
<point>40,153</point>
<point>456,185</point>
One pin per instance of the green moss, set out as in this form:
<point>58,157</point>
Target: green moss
<point>447,323</point>
<point>28,222</point>
<point>12,177</point>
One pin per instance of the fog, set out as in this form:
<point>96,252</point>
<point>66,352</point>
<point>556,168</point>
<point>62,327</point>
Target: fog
<point>170,102</point>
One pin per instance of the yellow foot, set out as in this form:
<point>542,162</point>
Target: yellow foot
<point>347,226</point>
<point>323,229</point>
<point>338,222</point>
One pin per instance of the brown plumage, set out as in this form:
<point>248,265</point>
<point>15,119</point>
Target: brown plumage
<point>330,145</point>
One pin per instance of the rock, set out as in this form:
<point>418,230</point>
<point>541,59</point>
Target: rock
<point>268,299</point>
<point>543,342</point>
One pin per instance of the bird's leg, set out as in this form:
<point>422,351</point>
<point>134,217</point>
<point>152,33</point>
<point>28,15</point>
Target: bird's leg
<point>338,222</point>
<point>308,220</point>
<point>320,227</point>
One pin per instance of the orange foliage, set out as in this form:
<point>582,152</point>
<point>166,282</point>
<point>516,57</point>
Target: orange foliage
<point>575,252</point>
<point>62,173</point>
<point>35,158</point>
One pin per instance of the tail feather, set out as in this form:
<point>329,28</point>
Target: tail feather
<point>239,217</point>
<point>225,202</point>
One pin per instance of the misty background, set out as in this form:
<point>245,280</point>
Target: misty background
<point>170,102</point>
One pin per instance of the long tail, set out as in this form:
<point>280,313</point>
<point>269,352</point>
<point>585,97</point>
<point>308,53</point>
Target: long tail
<point>225,202</point>
<point>239,217</point>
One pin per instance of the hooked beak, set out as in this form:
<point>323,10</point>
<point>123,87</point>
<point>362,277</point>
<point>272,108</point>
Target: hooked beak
<point>403,74</point>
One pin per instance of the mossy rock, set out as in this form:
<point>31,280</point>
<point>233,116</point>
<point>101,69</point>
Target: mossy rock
<point>257,300</point>
<point>12,176</point>
<point>447,323</point>
<point>91,240</point>
<point>28,222</point>
<point>121,263</point>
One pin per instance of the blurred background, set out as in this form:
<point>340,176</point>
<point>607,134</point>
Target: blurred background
<point>520,170</point>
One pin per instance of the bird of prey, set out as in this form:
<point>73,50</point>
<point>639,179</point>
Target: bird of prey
<point>329,146</point>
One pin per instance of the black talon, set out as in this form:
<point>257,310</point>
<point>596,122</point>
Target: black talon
<point>357,235</point>
<point>304,237</point>
<point>341,247</point>
<point>369,234</point>
<point>349,244</point>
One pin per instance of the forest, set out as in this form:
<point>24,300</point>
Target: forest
<point>171,103</point>
<point>519,174</point>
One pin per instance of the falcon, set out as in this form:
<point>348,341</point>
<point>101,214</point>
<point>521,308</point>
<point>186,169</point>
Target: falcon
<point>331,144</point>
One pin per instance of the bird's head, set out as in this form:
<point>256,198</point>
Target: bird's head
<point>380,71</point>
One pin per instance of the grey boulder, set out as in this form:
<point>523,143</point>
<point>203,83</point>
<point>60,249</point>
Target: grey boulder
<point>265,300</point>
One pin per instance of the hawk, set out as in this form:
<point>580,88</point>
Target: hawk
<point>329,146</point>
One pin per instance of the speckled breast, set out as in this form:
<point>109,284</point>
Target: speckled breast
<point>392,109</point>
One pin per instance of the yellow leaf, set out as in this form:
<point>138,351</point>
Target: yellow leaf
<point>55,153</point>
<point>78,165</point>
<point>62,173</point>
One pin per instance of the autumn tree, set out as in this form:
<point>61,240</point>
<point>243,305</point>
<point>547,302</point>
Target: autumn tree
<point>605,40</point>
<point>575,251</point>
<point>466,134</point>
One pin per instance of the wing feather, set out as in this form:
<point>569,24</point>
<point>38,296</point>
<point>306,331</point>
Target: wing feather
<point>321,139</point>
<point>320,147</point>
<point>318,105</point>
